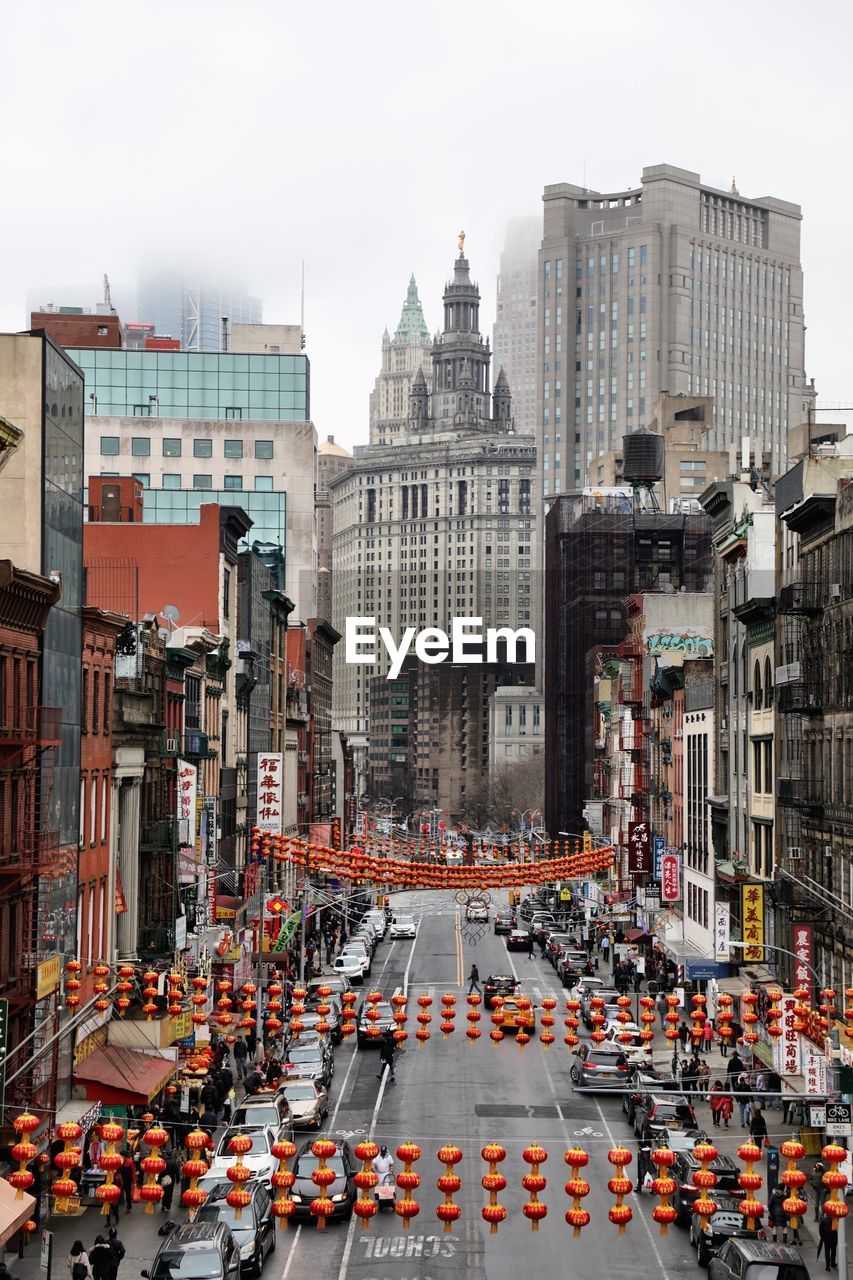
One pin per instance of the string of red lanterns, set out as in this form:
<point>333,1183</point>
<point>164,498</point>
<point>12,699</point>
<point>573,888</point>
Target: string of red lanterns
<point>577,1187</point>
<point>408,1181</point>
<point>449,1184</point>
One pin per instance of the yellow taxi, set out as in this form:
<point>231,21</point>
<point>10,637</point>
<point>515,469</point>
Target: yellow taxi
<point>514,1017</point>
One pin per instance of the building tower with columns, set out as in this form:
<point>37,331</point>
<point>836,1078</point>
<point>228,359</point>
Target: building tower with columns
<point>403,356</point>
<point>432,524</point>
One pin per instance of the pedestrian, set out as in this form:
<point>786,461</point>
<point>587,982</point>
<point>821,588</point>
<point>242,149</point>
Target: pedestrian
<point>820,1191</point>
<point>828,1242</point>
<point>78,1262</point>
<point>387,1051</point>
<point>210,1098</point>
<point>726,1108</point>
<point>683,1034</point>
<point>734,1067</point>
<point>715,1097</point>
<point>241,1053</point>
<point>474,980</point>
<point>329,948</point>
<point>707,1035</point>
<point>530,946</point>
<point>758,1127</point>
<point>127,1175</point>
<point>777,1219</point>
<point>167,1182</point>
<point>703,1075</point>
<point>638,981</point>
<point>383,1166</point>
<point>742,1092</point>
<point>687,1077</point>
<point>100,1259</point>
<point>5,1273</point>
<point>604,946</point>
<point>644,1164</point>
<point>253,1081</point>
<point>117,1251</point>
<point>724,1044</point>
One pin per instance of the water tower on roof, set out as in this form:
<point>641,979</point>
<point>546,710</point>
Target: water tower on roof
<point>642,464</point>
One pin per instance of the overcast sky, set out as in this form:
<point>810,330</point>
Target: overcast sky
<point>361,138</point>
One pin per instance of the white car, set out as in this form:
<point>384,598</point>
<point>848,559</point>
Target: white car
<point>587,984</point>
<point>260,1159</point>
<point>353,965</point>
<point>403,927</point>
<point>476,911</point>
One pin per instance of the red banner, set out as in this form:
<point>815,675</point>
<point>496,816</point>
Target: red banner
<point>801,946</point>
<point>670,878</point>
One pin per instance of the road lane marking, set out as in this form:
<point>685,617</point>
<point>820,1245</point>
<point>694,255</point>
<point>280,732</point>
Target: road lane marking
<point>409,961</point>
<point>290,1256</point>
<point>663,1271</point>
<point>460,968</point>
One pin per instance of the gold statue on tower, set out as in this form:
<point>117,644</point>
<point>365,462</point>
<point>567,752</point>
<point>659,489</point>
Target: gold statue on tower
<point>461,244</point>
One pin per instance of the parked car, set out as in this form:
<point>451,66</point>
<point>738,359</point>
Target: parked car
<point>517,940</point>
<point>645,1080</point>
<point>570,965</point>
<point>587,985</point>
<point>504,921</point>
<point>309,1062</point>
<point>757,1260</point>
<point>362,1022</point>
<point>656,1112</point>
<point>403,927</point>
<point>539,921</point>
<point>260,1159</point>
<point>476,911</point>
<point>683,1170</point>
<point>342,1192</point>
<point>197,1249</point>
<point>599,1067</point>
<point>310,1018</point>
<point>254,1232</point>
<point>376,916</point>
<point>351,966</point>
<point>264,1107</point>
<point>614,1030</point>
<point>610,1010</point>
<point>726,1224</point>
<point>308,1102</point>
<point>337,981</point>
<point>556,939</point>
<point>498,984</point>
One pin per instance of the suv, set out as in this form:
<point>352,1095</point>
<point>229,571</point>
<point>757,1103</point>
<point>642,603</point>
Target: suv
<point>384,1022</point>
<point>498,984</point>
<point>727,1223</point>
<point>197,1249</point>
<point>264,1107</point>
<point>685,1166</point>
<point>504,921</point>
<point>654,1113</point>
<point>570,965</point>
<point>254,1233</point>
<point>600,1066</point>
<point>645,1081</point>
<point>609,995</point>
<point>260,1159</point>
<point>757,1260</point>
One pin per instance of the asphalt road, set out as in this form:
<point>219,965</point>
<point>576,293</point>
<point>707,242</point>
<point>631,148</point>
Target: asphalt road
<point>450,1090</point>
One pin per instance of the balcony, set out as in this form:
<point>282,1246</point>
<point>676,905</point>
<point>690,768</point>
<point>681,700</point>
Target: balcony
<point>197,744</point>
<point>800,793</point>
<point>799,597</point>
<point>798,696</point>
<point>159,837</point>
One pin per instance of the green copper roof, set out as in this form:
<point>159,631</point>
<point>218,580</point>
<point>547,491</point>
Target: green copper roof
<point>412,324</point>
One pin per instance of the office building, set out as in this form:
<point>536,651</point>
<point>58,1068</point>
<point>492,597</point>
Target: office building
<point>190,309</point>
<point>437,528</point>
<point>514,330</point>
<point>671,286</point>
<point>230,428</point>
<point>332,459</point>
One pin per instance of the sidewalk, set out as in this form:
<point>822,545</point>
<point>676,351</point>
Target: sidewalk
<point>136,1230</point>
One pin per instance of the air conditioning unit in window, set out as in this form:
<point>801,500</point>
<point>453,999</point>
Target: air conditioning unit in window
<point>172,746</point>
<point>835,591</point>
<point>795,853</point>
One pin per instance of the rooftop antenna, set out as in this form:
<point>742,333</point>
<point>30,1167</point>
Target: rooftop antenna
<point>302,308</point>
<point>108,302</point>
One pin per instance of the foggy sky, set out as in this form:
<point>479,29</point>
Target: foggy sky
<point>361,138</point>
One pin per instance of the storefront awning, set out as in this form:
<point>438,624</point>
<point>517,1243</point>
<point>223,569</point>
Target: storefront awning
<point>13,1212</point>
<point>634,935</point>
<point>114,1075</point>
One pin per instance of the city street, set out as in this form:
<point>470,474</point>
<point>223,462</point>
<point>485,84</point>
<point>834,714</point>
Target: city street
<point>450,1090</point>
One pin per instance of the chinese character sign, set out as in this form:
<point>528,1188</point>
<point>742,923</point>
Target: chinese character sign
<point>814,1070</point>
<point>670,883</point>
<point>639,855</point>
<point>786,1048</point>
<point>801,945</point>
<point>752,917</point>
<point>187,793</point>
<point>270,791</point>
<point>722,919</point>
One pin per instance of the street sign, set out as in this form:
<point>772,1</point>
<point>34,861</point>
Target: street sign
<point>817,1117</point>
<point>46,1255</point>
<point>839,1120</point>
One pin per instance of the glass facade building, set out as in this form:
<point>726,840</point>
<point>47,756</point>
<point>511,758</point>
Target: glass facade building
<point>189,384</point>
<point>267,511</point>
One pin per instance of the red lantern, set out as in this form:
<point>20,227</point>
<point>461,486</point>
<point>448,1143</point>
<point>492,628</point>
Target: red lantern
<point>753,1210</point>
<point>493,1182</point>
<point>110,1161</point>
<point>194,1168</point>
<point>449,1184</point>
<point>282,1180</point>
<point>664,1186</point>
<point>408,1152</point>
<point>366,1179</point>
<point>577,1187</point>
<point>834,1207</point>
<point>620,1214</point>
<point>153,1166</point>
<point>322,1177</point>
<point>534,1182</point>
<point>794,1179</point>
<point>238,1173</point>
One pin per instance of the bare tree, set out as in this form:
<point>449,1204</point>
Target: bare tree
<point>504,796</point>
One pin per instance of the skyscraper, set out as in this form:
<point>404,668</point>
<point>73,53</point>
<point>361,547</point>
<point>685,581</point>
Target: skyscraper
<point>437,528</point>
<point>670,286</point>
<point>514,330</point>
<point>403,356</point>
<point>188,308</point>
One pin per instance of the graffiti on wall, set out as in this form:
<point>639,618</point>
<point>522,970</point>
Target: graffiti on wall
<point>689,643</point>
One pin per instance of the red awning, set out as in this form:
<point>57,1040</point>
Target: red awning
<point>635,935</point>
<point>14,1211</point>
<point>117,1075</point>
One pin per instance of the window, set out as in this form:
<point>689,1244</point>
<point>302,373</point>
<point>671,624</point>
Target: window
<point>140,447</point>
<point>171,447</point>
<point>84,703</point>
<point>263,483</point>
<point>144,478</point>
<point>226,593</point>
<point>108,706</point>
<point>233,482</point>
<point>263,449</point>
<point>169,480</point>
<point>756,766</point>
<point>202,482</point>
<point>508,719</point>
<point>96,701</point>
<point>768,766</point>
<point>233,448</point>
<point>768,683</point>
<point>109,446</point>
<point>202,449</point>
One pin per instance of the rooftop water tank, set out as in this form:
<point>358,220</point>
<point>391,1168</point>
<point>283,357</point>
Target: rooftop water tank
<point>642,457</point>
